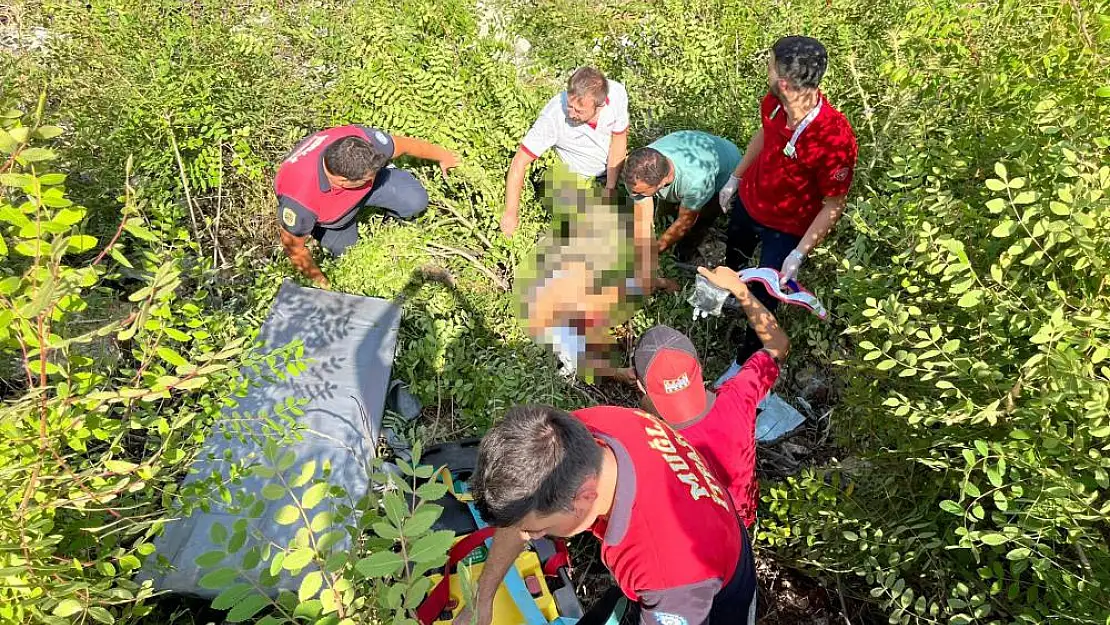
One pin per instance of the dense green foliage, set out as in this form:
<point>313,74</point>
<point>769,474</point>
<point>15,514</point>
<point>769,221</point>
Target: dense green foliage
<point>968,281</point>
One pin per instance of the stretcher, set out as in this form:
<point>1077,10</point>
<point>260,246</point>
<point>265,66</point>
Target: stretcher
<point>536,591</point>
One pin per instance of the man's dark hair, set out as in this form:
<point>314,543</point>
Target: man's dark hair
<point>801,60</point>
<point>645,165</point>
<point>534,460</point>
<point>588,81</point>
<point>353,158</point>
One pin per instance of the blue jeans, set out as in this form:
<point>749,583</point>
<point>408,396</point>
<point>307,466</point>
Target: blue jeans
<point>744,234</point>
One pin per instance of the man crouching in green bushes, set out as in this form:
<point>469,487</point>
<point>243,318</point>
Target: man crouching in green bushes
<point>668,530</point>
<point>330,175</point>
<point>686,169</point>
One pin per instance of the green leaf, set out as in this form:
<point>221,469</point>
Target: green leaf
<point>68,216</point>
<point>395,508</point>
<point>993,538</point>
<point>996,205</point>
<point>67,607</point>
<point>432,491</point>
<point>287,515</point>
<point>850,536</point>
<point>310,609</point>
<point>310,585</point>
<point>48,132</point>
<point>1025,197</point>
<point>297,560</point>
<point>431,547</point>
<point>385,530</point>
<point>970,299</point>
<point>314,495</point>
<point>1019,553</point>
<point>321,521</point>
<point>1004,229</point>
<point>171,356</point>
<point>287,459</point>
<point>217,533</point>
<point>886,365</point>
<point>218,578</point>
<point>422,519</point>
<point>247,608</point>
<point>230,596</point>
<point>210,559</point>
<point>35,155</point>
<point>995,185</point>
<point>81,243</point>
<point>1000,170</point>
<point>308,469</point>
<point>1102,92</point>
<point>381,564</point>
<point>273,491</point>
<point>952,507</point>
<point>101,615</point>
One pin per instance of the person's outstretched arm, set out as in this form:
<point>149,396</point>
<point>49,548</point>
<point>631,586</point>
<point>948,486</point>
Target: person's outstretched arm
<point>506,545</point>
<point>514,183</point>
<point>762,321</point>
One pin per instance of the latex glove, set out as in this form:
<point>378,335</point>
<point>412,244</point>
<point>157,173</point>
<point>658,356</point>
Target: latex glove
<point>790,267</point>
<point>727,191</point>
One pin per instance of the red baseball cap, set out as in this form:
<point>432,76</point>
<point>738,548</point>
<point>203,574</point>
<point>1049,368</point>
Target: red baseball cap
<point>667,365</point>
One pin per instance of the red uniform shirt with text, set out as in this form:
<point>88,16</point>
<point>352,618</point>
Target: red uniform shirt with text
<point>672,523</point>
<point>300,177</point>
<point>725,436</point>
<point>786,193</point>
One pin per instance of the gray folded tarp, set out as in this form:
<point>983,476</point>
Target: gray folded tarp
<point>349,343</point>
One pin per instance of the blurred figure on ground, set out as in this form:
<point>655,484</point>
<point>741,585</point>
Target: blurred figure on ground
<point>795,176</point>
<point>587,125</point>
<point>720,425</point>
<point>577,286</point>
<point>331,175</point>
<point>684,169</point>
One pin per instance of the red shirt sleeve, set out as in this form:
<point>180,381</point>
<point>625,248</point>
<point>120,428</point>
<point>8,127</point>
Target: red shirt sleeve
<point>836,162</point>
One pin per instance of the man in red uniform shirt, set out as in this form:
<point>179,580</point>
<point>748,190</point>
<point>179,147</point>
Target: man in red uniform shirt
<point>721,425</point>
<point>330,175</point>
<point>669,533</point>
<point>795,174</point>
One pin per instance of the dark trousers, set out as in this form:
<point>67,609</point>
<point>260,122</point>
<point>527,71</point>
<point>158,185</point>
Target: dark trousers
<point>744,234</point>
<point>395,191</point>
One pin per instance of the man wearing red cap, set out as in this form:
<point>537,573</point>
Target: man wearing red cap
<point>721,425</point>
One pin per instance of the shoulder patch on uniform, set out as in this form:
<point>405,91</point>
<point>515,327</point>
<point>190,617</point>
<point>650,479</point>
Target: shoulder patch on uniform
<point>841,174</point>
<point>288,216</point>
<point>666,618</point>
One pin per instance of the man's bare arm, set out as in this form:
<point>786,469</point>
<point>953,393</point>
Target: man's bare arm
<point>298,253</point>
<point>643,242</point>
<point>506,545</point>
<point>761,320</point>
<point>618,149</point>
<point>832,209</point>
<point>418,148</point>
<point>755,146</point>
<point>686,220</point>
<point>514,183</point>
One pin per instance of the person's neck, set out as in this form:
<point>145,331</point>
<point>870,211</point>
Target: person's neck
<point>606,483</point>
<point>798,105</point>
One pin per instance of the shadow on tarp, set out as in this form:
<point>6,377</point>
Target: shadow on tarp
<point>349,343</point>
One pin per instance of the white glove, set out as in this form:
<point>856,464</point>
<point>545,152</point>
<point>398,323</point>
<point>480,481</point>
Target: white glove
<point>790,266</point>
<point>727,191</point>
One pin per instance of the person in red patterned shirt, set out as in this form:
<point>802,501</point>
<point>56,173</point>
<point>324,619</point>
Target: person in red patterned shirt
<point>721,424</point>
<point>668,530</point>
<point>794,178</point>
